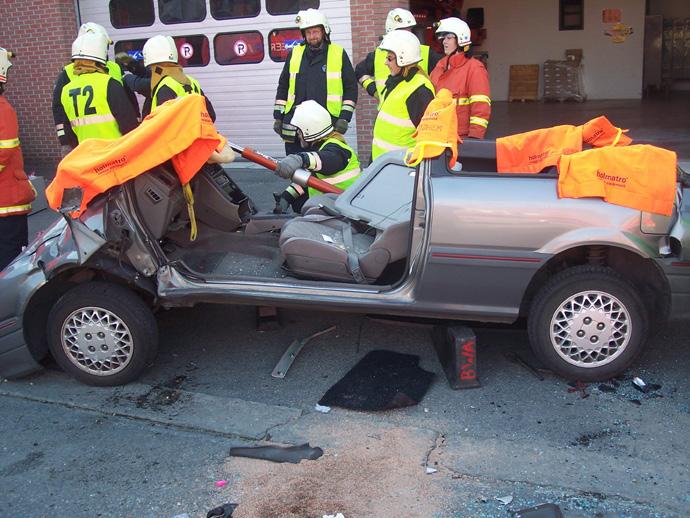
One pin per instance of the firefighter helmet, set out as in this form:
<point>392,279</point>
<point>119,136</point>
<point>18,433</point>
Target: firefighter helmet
<point>94,27</point>
<point>312,18</point>
<point>313,120</point>
<point>399,19</point>
<point>404,45</point>
<point>5,64</point>
<point>91,46</point>
<point>457,27</point>
<point>160,49</point>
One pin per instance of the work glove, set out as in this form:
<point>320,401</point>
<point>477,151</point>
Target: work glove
<point>126,61</point>
<point>340,126</point>
<point>278,126</point>
<point>288,165</point>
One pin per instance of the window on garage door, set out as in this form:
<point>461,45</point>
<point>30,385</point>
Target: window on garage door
<point>239,48</point>
<point>193,51</point>
<point>131,47</point>
<point>289,6</point>
<point>181,11</point>
<point>226,9</point>
<point>131,13</point>
<point>280,41</point>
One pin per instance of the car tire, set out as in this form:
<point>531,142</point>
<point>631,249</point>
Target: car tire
<point>103,334</point>
<point>588,323</point>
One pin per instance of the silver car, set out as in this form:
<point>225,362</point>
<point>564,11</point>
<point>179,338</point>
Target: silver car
<point>593,280</point>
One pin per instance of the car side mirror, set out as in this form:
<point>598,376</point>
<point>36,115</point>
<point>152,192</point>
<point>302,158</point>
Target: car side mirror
<point>71,200</point>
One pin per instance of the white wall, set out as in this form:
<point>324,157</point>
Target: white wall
<point>520,33</point>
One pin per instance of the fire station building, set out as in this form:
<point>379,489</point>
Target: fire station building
<point>566,50</point>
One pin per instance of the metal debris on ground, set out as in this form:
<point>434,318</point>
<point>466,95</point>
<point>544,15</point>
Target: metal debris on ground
<point>339,515</point>
<point>640,385</point>
<point>222,511</point>
<point>606,388</point>
<point>505,500</point>
<point>429,470</point>
<point>292,454</point>
<point>290,354</point>
<point>323,409</point>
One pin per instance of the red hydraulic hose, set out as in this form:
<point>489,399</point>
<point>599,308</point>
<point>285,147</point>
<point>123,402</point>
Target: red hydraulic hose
<point>271,164</point>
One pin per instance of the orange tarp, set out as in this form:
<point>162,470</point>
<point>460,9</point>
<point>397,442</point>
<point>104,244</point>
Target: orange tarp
<point>179,130</point>
<point>533,151</point>
<point>437,130</point>
<point>642,177</point>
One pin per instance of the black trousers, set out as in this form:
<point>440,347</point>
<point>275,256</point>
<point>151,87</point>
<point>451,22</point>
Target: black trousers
<point>14,234</point>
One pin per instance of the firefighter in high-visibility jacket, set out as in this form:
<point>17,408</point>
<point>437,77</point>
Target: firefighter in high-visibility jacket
<point>406,94</point>
<point>168,80</point>
<point>67,74</point>
<point>316,70</point>
<point>326,155</point>
<point>372,71</point>
<point>16,192</point>
<point>465,77</point>
<point>93,104</point>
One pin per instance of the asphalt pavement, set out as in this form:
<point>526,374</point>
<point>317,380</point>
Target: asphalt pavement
<point>159,448</point>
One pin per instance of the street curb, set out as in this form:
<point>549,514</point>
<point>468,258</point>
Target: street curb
<point>228,417</point>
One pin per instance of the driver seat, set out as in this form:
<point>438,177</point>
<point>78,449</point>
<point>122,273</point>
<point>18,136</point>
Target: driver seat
<point>333,248</point>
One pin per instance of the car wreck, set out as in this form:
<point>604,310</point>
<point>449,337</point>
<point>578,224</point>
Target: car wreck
<point>593,280</point>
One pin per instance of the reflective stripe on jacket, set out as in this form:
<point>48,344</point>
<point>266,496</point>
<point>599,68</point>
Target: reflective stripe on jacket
<point>114,71</point>
<point>85,101</point>
<point>468,81</point>
<point>393,128</point>
<point>334,78</point>
<point>16,192</point>
<point>179,89</point>
<point>381,71</point>
<point>343,178</point>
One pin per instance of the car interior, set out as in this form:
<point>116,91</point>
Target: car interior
<point>361,236</point>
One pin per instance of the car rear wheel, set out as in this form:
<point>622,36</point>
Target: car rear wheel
<point>103,334</point>
<point>587,323</point>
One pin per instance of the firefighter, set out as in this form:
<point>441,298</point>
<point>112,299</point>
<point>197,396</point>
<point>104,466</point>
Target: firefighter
<point>16,192</point>
<point>406,94</point>
<point>465,77</point>
<point>372,72</point>
<point>327,155</point>
<point>92,104</point>
<point>168,80</point>
<point>316,70</point>
<point>67,74</point>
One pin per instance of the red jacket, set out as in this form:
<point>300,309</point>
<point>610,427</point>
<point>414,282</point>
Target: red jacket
<point>16,193</point>
<point>468,81</point>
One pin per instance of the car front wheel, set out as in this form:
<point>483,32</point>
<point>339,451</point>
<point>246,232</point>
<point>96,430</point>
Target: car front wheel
<point>587,323</point>
<point>102,333</point>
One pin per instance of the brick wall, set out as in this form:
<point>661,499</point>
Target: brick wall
<point>368,24</point>
<point>40,32</point>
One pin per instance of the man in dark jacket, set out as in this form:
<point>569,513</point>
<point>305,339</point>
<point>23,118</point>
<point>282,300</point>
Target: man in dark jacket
<point>315,70</point>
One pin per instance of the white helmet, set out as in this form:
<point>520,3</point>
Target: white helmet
<point>458,27</point>
<point>160,49</point>
<point>91,46</point>
<point>5,64</point>
<point>94,27</point>
<point>399,19</point>
<point>313,120</point>
<point>404,45</point>
<point>312,18</point>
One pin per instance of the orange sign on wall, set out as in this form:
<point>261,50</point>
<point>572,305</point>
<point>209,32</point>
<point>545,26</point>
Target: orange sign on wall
<point>611,15</point>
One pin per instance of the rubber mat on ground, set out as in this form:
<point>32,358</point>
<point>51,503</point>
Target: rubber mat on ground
<point>382,380</point>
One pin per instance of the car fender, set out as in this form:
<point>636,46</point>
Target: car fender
<point>604,236</point>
